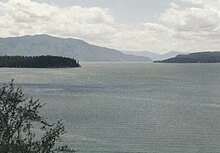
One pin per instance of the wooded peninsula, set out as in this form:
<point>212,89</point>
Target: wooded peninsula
<point>37,62</point>
<point>199,57</point>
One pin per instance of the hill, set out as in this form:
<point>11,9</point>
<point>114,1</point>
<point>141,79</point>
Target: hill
<point>154,56</point>
<point>37,62</point>
<point>47,45</point>
<point>200,57</point>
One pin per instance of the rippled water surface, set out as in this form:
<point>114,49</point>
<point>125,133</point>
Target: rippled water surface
<point>130,107</point>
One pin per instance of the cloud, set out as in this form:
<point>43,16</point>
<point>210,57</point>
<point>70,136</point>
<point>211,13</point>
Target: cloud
<point>197,28</point>
<point>205,3</point>
<point>179,27</point>
<point>27,17</point>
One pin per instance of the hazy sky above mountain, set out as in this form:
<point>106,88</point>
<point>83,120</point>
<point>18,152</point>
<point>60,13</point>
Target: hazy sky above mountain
<point>137,25</point>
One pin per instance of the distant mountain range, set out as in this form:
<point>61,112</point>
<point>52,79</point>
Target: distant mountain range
<point>154,56</point>
<point>200,57</point>
<point>73,48</point>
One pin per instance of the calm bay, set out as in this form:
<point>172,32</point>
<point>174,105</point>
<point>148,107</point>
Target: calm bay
<point>130,107</point>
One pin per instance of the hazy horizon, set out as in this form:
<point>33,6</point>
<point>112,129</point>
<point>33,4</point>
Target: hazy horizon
<point>123,51</point>
<point>145,25</point>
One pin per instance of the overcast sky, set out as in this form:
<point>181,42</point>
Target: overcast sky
<point>131,25</point>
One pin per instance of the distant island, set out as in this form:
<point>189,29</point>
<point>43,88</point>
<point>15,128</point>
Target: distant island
<point>200,57</point>
<point>37,62</point>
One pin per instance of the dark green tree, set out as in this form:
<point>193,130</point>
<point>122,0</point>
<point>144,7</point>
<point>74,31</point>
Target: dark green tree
<point>38,62</point>
<point>18,116</point>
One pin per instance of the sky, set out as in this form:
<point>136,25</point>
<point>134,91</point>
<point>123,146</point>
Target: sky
<point>128,25</point>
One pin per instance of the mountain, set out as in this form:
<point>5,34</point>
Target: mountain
<point>170,55</point>
<point>47,45</point>
<point>154,56</point>
<point>200,57</point>
<point>143,53</point>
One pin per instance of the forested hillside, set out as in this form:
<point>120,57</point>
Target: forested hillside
<point>200,57</point>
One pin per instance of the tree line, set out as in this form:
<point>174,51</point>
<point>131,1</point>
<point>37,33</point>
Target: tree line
<point>37,62</point>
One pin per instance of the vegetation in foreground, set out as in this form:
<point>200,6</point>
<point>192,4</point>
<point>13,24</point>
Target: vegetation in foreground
<point>19,115</point>
<point>37,62</point>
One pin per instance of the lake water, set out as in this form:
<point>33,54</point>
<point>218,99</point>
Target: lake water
<point>130,107</point>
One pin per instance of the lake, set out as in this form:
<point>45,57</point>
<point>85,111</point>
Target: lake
<point>130,107</point>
